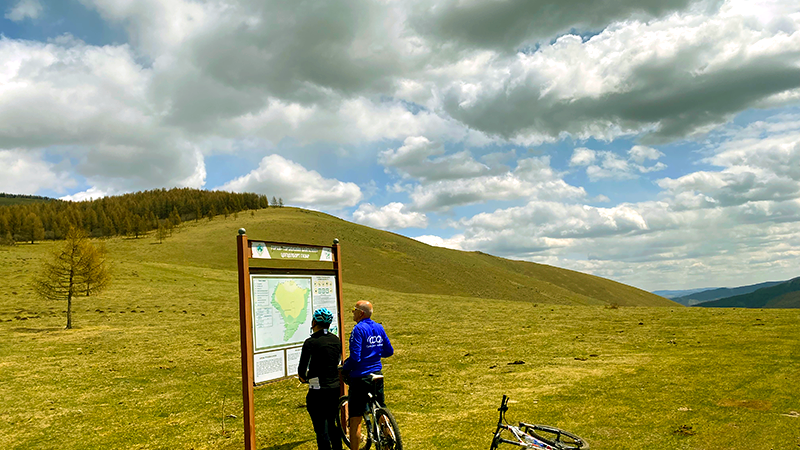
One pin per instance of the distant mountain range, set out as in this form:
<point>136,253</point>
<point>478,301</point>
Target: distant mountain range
<point>672,294</point>
<point>771,294</point>
<point>781,295</point>
<point>719,293</point>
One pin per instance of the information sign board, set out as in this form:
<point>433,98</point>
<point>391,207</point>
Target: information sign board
<point>276,305</point>
<point>282,308</point>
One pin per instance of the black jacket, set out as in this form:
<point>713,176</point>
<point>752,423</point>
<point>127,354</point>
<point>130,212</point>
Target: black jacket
<point>319,360</point>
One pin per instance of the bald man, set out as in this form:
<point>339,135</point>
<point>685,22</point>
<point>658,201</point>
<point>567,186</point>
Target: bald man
<point>368,344</point>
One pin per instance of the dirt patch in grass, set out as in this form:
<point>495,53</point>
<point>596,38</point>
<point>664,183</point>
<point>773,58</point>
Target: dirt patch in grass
<point>758,405</point>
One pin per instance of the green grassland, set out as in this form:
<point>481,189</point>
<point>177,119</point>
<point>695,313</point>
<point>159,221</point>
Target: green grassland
<point>154,362</point>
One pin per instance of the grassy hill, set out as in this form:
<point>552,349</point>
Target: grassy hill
<point>783,295</point>
<point>154,362</point>
<point>392,262</point>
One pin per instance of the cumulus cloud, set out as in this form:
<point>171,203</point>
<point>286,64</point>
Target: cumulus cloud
<point>278,69</point>
<point>613,166</point>
<point>669,77</point>
<point>532,178</point>
<point>507,25</point>
<point>389,217</point>
<point>296,185</point>
<point>90,104</point>
<point>23,172</point>
<point>24,9</point>
<point>754,168</point>
<point>415,159</point>
<point>641,153</point>
<point>436,241</point>
<point>739,219</point>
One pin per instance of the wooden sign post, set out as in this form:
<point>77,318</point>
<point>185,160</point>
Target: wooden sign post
<point>276,305</point>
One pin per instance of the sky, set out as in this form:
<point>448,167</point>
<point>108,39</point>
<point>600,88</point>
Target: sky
<point>652,142</point>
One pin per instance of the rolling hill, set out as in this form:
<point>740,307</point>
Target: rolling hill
<point>392,262</point>
<point>782,295</point>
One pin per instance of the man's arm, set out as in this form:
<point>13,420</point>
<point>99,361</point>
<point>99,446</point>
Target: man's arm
<point>355,350</point>
<point>386,349</point>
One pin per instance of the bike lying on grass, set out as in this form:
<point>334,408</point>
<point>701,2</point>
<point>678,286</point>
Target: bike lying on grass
<point>534,436</point>
<point>378,424</point>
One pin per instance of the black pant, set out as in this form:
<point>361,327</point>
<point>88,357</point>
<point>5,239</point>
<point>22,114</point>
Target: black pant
<point>322,405</point>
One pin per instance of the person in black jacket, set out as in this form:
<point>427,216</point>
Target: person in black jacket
<point>318,366</point>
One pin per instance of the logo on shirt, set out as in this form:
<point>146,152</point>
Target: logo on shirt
<point>375,340</point>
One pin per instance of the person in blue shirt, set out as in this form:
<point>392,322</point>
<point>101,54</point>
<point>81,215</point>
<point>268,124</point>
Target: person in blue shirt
<point>368,344</point>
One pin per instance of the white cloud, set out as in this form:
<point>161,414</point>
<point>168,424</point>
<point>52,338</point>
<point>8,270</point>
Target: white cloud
<point>296,185</point>
<point>755,168</point>
<point>90,194</point>
<point>415,160</point>
<point>532,178</point>
<point>23,172</point>
<point>582,156</point>
<point>612,166</point>
<point>641,153</point>
<point>389,217</point>
<point>91,104</point>
<point>669,77</point>
<point>24,9</point>
<point>436,241</point>
<point>736,225</point>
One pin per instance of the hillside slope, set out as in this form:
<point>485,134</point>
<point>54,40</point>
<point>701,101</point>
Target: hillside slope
<point>389,261</point>
<point>783,295</point>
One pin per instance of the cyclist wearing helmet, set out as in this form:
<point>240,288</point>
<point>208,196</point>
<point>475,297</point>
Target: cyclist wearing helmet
<point>368,344</point>
<point>318,366</point>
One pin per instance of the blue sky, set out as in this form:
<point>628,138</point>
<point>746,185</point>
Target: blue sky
<point>653,142</point>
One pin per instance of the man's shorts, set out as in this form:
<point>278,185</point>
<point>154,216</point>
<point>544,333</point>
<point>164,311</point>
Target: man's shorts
<point>357,394</point>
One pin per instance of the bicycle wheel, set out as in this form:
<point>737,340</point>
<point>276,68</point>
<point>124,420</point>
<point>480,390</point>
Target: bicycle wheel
<point>388,431</point>
<point>342,421</point>
<point>556,437</point>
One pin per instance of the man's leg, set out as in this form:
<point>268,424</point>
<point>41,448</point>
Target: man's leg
<point>355,432</point>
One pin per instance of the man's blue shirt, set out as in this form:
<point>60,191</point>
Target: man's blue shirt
<point>368,344</point>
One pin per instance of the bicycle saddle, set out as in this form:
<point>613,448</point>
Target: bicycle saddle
<point>375,377</point>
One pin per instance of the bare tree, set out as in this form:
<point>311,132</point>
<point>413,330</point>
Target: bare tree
<point>77,267</point>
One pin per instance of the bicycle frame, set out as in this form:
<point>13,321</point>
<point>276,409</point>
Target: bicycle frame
<point>525,435</point>
<point>379,426</point>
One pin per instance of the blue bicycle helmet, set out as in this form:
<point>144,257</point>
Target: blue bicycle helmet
<point>323,316</point>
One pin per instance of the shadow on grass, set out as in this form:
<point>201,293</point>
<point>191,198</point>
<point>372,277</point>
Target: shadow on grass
<point>38,330</point>
<point>288,446</point>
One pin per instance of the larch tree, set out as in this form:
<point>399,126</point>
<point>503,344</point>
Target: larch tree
<point>77,267</point>
<point>98,272</point>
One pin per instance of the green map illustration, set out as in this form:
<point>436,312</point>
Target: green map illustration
<point>291,298</point>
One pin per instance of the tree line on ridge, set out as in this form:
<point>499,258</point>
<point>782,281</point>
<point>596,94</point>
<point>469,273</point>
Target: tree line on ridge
<point>125,215</point>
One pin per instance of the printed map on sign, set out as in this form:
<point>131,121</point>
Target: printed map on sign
<point>281,310</point>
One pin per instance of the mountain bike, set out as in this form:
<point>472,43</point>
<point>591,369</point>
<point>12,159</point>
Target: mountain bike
<point>378,425</point>
<point>534,436</point>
